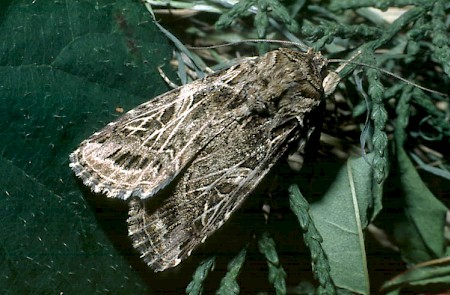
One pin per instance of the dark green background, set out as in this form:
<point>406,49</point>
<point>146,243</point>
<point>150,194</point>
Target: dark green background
<point>65,67</point>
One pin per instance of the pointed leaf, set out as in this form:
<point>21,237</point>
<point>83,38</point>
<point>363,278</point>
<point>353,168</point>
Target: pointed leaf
<point>421,233</point>
<point>341,217</point>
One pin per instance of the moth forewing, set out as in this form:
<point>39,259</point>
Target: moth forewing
<point>215,139</point>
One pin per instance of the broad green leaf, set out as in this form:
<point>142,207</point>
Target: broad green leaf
<point>420,234</point>
<point>341,217</point>
<point>64,69</point>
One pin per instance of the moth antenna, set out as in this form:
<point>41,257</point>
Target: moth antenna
<point>304,47</point>
<point>284,42</point>
<point>166,79</point>
<point>387,73</point>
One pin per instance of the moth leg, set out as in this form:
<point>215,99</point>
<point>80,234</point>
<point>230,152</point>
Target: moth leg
<point>332,79</point>
<point>297,158</point>
<point>166,79</point>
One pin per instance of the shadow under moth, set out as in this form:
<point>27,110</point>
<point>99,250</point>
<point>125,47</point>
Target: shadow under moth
<point>214,139</point>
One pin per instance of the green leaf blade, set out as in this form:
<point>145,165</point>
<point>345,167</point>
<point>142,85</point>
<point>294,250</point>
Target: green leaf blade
<point>336,216</point>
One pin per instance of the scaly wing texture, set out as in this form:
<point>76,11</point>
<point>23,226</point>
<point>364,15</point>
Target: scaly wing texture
<point>227,169</point>
<point>214,140</point>
<point>145,149</point>
<point>212,187</point>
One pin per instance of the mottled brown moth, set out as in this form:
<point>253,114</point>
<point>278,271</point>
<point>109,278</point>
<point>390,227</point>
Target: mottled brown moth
<point>214,139</point>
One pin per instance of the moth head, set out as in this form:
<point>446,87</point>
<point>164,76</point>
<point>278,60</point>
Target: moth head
<point>302,73</point>
<point>285,84</point>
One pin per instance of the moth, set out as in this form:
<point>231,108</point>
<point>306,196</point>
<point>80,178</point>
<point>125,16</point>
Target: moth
<point>214,140</point>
